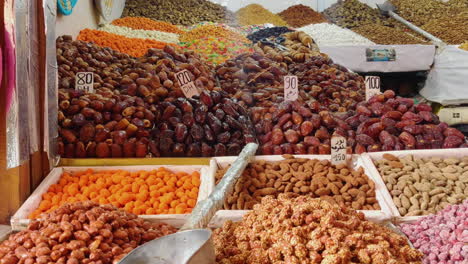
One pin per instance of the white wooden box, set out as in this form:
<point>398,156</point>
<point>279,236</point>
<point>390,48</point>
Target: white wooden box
<point>20,220</point>
<point>420,153</point>
<point>355,162</point>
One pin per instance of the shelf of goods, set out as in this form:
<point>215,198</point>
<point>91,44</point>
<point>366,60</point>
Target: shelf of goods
<point>420,182</point>
<point>108,181</point>
<point>285,179</point>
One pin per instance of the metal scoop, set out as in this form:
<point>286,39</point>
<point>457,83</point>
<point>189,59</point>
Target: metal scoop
<point>192,245</point>
<point>388,9</point>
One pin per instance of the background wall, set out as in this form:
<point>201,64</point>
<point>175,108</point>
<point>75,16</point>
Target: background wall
<point>84,16</point>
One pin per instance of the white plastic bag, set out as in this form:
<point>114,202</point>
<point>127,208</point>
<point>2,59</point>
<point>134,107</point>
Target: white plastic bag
<point>447,81</point>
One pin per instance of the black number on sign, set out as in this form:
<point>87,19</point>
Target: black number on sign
<point>183,77</point>
<point>339,157</point>
<point>456,115</point>
<point>84,78</point>
<point>291,82</point>
<point>373,82</point>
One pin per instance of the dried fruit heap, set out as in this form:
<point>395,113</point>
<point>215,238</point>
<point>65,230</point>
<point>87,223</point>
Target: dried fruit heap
<point>80,233</point>
<point>212,125</point>
<point>308,230</point>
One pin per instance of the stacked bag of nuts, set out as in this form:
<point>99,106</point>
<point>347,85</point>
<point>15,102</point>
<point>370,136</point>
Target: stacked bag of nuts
<point>422,186</point>
<point>80,233</point>
<point>319,179</point>
<point>308,230</point>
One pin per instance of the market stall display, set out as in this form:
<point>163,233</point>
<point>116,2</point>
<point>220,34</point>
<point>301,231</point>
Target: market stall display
<point>421,186</point>
<point>78,233</point>
<point>291,229</point>
<point>315,178</point>
<point>160,191</point>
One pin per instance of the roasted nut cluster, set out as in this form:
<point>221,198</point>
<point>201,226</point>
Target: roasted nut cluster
<point>212,125</point>
<point>80,233</point>
<point>309,230</point>
<point>388,35</point>
<point>386,122</point>
<point>315,178</point>
<point>421,186</point>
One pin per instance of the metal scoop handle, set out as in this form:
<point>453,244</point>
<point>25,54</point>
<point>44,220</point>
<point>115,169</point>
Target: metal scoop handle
<point>205,210</point>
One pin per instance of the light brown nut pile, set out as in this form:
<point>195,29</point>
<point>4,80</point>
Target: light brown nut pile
<point>309,231</point>
<point>312,177</point>
<point>80,233</point>
<point>424,186</point>
<point>453,30</point>
<point>387,35</point>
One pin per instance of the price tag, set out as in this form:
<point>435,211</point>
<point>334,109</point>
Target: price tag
<point>84,81</point>
<point>372,86</point>
<point>186,84</point>
<point>291,91</point>
<point>338,150</point>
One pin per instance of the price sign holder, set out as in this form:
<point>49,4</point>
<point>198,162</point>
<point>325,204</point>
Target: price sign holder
<point>186,84</point>
<point>338,150</point>
<point>84,81</point>
<point>291,91</point>
<point>372,86</point>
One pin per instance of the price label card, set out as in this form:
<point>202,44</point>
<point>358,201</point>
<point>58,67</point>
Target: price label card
<point>291,91</point>
<point>186,84</point>
<point>372,86</point>
<point>338,150</point>
<point>84,81</point>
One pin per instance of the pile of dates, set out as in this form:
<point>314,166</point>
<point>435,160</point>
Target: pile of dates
<point>383,123</point>
<point>103,124</point>
<point>208,125</point>
<point>151,76</point>
<point>387,122</point>
<point>293,128</point>
<point>333,87</point>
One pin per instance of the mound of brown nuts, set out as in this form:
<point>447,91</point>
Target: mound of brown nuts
<point>421,186</point>
<point>308,230</point>
<point>311,177</point>
<point>80,233</point>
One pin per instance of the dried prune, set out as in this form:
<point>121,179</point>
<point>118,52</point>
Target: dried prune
<point>297,118</point>
<point>360,109</point>
<point>287,148</point>
<point>375,129</point>
<point>220,150</point>
<point>324,149</point>
<point>299,149</point>
<point>395,115</point>
<point>389,94</point>
<point>404,123</point>
<point>181,132</point>
<point>364,139</point>
<point>322,133</point>
<point>413,129</point>
<point>402,108</point>
<point>452,142</point>
<point>223,137</point>
<point>306,128</point>
<point>291,136</point>
<point>200,114</point>
<point>407,139</point>
<point>412,116</point>
<point>119,137</point>
<point>374,148</point>
<point>194,150</point>
<point>454,132</point>
<point>102,150</point>
<point>284,119</point>
<point>377,108</point>
<point>423,107</point>
<point>207,150</point>
<point>386,139</point>
<point>277,150</point>
<point>359,149</point>
<point>196,131</point>
<point>277,136</point>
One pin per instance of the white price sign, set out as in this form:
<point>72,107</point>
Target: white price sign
<point>84,81</point>
<point>186,84</point>
<point>291,91</point>
<point>338,150</point>
<point>372,86</point>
